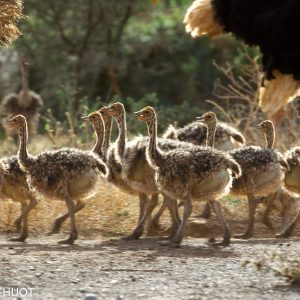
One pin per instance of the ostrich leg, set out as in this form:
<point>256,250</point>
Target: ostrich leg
<point>290,228</point>
<point>269,205</point>
<point>25,213</point>
<point>251,213</point>
<point>138,231</point>
<point>226,232</point>
<point>188,207</point>
<point>18,220</point>
<point>71,211</point>
<point>60,220</point>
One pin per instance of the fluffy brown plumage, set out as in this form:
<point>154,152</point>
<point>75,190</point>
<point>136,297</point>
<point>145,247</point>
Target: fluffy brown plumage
<point>256,159</point>
<point>190,172</point>
<point>136,171</point>
<point>64,174</point>
<point>50,172</point>
<point>263,172</point>
<point>118,159</point>
<point>13,186</point>
<point>292,177</point>
<point>226,137</point>
<point>292,184</point>
<point>96,119</point>
<point>135,158</point>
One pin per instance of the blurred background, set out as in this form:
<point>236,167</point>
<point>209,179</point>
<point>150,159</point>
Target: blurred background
<point>87,53</point>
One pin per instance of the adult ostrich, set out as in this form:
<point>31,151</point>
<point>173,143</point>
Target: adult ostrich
<point>26,102</point>
<point>270,25</point>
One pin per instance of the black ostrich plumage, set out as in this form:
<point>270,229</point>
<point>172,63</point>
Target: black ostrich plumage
<point>270,24</point>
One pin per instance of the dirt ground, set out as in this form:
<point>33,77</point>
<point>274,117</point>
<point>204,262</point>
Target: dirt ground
<point>102,264</point>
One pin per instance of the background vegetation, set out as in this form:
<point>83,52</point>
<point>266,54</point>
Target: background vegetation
<point>86,53</point>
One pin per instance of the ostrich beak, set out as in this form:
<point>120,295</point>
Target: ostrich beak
<point>86,118</point>
<point>258,126</point>
<point>9,123</point>
<point>200,119</point>
<point>139,115</point>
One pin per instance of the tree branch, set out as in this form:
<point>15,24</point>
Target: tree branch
<point>58,23</point>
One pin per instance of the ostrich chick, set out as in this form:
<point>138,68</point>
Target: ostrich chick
<point>63,174</point>
<point>98,126</point>
<point>263,172</point>
<point>13,185</point>
<point>226,138</point>
<point>198,173</point>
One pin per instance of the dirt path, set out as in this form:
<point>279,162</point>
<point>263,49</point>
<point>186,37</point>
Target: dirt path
<point>144,269</point>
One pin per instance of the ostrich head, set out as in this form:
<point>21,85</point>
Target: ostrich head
<point>268,129</point>
<point>96,119</point>
<point>24,65</point>
<point>116,109</point>
<point>265,126</point>
<point>19,123</point>
<point>208,118</point>
<point>147,115</point>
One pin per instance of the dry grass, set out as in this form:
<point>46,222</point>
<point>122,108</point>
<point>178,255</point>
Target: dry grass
<point>10,13</point>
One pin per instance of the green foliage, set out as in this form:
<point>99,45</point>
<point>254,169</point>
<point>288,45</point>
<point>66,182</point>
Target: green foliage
<point>85,53</point>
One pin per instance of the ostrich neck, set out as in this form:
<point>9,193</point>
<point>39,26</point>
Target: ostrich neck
<point>153,151</point>
<point>122,135</point>
<point>24,97</point>
<point>107,135</point>
<point>270,138</point>
<point>25,85</point>
<point>23,153</point>
<point>210,134</point>
<point>99,141</point>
